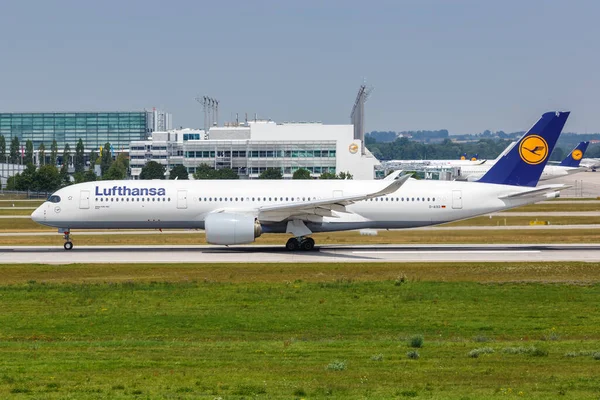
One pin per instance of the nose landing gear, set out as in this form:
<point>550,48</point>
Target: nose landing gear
<point>67,236</point>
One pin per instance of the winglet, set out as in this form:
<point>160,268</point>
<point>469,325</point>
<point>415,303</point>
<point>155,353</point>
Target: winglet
<point>393,175</point>
<point>575,156</point>
<point>391,188</point>
<point>524,163</point>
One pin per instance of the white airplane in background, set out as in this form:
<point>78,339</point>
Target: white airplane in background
<point>237,212</point>
<point>436,163</point>
<point>568,166</point>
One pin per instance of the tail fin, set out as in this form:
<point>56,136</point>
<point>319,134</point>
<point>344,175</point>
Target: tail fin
<point>475,157</point>
<point>574,158</point>
<point>524,163</point>
<point>464,156</point>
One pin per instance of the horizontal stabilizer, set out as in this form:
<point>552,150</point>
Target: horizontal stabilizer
<point>536,192</point>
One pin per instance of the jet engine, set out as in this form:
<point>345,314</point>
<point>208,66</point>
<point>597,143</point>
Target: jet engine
<point>231,228</point>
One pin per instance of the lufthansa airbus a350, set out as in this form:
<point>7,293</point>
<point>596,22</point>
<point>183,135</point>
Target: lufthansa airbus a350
<point>237,212</point>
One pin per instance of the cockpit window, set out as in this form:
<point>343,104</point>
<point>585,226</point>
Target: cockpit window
<point>54,199</point>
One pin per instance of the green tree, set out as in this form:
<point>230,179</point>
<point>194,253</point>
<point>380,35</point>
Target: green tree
<point>27,179</point>
<point>203,171</point>
<point>64,169</point>
<point>180,172</point>
<point>345,175</point>
<point>14,151</point>
<point>105,159</point>
<point>11,182</point>
<point>226,173</point>
<point>53,152</point>
<point>42,154</point>
<point>79,157</point>
<point>152,170</point>
<point>2,149</point>
<point>271,173</point>
<point>118,169</point>
<point>328,175</point>
<point>28,152</point>
<point>89,176</point>
<point>78,177</point>
<point>301,173</point>
<point>93,158</point>
<point>47,178</point>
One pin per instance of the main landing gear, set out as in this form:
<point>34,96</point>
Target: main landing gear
<point>67,236</point>
<point>300,243</point>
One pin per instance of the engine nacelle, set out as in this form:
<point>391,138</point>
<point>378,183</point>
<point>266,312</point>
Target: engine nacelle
<point>231,228</point>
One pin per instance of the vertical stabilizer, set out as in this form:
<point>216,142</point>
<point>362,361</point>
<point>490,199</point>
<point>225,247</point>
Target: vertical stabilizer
<point>524,163</point>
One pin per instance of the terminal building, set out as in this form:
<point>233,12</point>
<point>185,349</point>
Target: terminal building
<point>250,148</point>
<point>93,128</point>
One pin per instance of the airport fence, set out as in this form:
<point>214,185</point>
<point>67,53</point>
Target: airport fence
<point>23,195</point>
<point>581,189</point>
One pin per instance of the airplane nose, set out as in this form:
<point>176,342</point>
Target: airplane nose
<point>38,215</point>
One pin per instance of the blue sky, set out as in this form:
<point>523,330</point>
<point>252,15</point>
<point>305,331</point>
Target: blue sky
<point>461,65</point>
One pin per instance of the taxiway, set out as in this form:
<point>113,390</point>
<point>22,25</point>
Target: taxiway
<point>277,254</point>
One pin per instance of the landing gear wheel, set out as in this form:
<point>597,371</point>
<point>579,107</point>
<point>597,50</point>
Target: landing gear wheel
<point>68,245</point>
<point>307,244</point>
<point>292,244</point>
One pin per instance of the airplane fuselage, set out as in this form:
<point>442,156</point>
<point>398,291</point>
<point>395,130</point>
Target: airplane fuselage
<point>185,204</point>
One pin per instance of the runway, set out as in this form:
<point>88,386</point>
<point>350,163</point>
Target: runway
<point>277,254</point>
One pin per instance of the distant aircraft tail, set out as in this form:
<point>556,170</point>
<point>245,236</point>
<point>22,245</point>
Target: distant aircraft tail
<point>464,156</point>
<point>524,163</point>
<point>475,157</point>
<point>574,158</point>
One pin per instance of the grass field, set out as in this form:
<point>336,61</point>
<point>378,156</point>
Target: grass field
<point>557,206</point>
<point>300,331</point>
<point>11,211</point>
<point>418,236</point>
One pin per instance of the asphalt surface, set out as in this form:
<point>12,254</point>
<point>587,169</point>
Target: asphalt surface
<point>277,254</point>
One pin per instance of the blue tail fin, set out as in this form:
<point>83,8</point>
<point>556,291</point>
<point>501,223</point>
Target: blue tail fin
<point>464,156</point>
<point>574,158</point>
<point>475,157</point>
<point>524,163</point>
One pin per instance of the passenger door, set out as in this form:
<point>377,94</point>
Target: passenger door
<point>182,199</point>
<point>84,199</point>
<point>457,199</point>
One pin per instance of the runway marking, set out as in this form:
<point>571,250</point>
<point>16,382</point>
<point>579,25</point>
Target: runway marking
<point>450,252</point>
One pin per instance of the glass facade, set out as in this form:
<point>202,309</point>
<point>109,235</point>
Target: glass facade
<point>94,128</point>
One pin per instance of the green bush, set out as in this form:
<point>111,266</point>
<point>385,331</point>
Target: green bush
<point>416,341</point>
<point>337,366</point>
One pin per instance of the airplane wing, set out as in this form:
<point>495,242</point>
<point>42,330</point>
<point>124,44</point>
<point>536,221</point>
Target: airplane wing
<point>323,207</point>
<point>535,192</point>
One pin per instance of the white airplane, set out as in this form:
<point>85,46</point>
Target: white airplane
<point>237,212</point>
<point>437,163</point>
<point>568,166</point>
